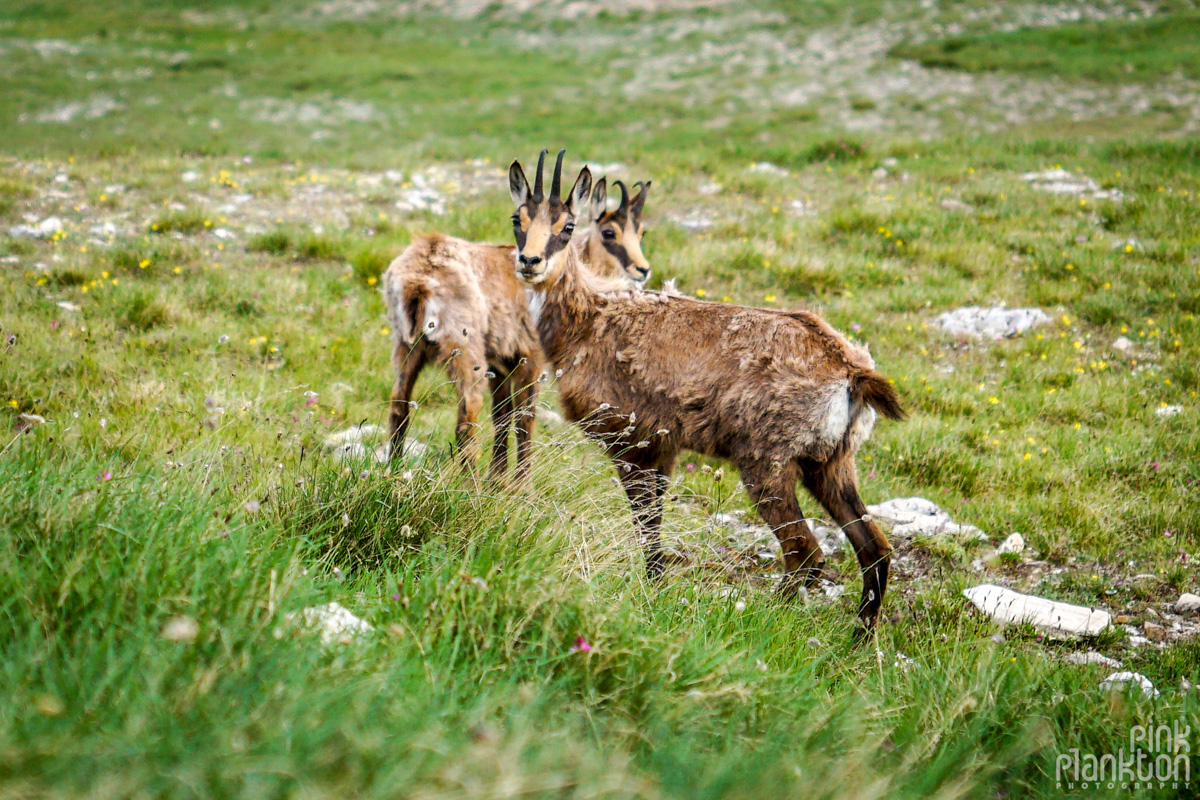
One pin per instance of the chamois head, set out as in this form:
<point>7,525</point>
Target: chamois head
<point>543,223</point>
<point>617,246</point>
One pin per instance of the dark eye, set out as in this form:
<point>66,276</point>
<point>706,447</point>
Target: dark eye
<point>516,218</point>
<point>608,233</point>
<point>568,229</point>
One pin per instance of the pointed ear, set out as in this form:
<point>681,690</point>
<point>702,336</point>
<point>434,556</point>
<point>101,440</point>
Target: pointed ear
<point>635,206</point>
<point>580,191</point>
<point>599,199</point>
<point>518,187</point>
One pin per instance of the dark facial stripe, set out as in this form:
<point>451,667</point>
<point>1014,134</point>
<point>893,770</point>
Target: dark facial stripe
<point>617,251</point>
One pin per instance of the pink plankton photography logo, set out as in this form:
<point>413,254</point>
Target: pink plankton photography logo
<point>1158,758</point>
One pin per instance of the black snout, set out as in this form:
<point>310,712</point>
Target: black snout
<point>529,261</point>
<point>643,273</point>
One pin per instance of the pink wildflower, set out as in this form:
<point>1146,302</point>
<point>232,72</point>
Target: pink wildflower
<point>581,645</point>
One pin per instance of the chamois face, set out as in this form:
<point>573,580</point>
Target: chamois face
<point>543,224</point>
<point>617,240</point>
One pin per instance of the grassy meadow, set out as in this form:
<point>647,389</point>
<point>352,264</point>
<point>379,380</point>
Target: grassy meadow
<point>230,180</point>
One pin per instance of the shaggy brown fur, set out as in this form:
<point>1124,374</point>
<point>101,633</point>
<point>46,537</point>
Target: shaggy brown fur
<point>459,303</point>
<point>781,394</point>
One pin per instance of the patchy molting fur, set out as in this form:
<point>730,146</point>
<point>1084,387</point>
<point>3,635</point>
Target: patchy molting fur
<point>781,394</point>
<point>460,304</point>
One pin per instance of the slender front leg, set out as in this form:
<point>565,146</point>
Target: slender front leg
<point>645,487</point>
<point>524,385</point>
<point>502,418</point>
<point>408,362</point>
<point>468,372</point>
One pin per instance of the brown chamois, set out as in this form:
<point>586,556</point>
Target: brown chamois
<point>460,304</point>
<point>781,394</point>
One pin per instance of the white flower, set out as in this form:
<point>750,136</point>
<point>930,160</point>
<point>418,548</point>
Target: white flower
<point>223,338</point>
<point>103,422</point>
<point>252,506</point>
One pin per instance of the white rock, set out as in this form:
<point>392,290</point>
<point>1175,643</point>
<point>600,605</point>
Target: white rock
<point>1092,657</point>
<point>67,305</point>
<point>768,168</point>
<point>43,230</point>
<point>990,323</point>
<point>1060,181</point>
<point>190,176</point>
<point>333,621</point>
<point>879,173</point>
<point>1187,603</point>
<point>1119,680</point>
<point>1008,607</point>
<point>1122,344</point>
<point>710,188</point>
<point>223,233</point>
<point>181,629</point>
<point>958,206</point>
<point>604,169</point>
<point>910,516</point>
<point>358,433</point>
<point>1167,411</point>
<point>1015,543</point>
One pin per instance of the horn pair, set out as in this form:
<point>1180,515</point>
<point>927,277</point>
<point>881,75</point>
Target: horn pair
<point>556,184</point>
<point>624,207</point>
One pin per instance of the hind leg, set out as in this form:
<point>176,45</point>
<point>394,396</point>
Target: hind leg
<point>409,361</point>
<point>835,485</point>
<point>774,495</point>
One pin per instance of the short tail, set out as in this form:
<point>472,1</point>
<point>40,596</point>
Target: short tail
<point>874,390</point>
<point>413,311</point>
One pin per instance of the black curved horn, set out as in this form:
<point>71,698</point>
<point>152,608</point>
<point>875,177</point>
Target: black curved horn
<point>556,186</point>
<point>623,208</point>
<point>537,182</point>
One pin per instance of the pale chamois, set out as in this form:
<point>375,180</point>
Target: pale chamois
<point>780,393</point>
<point>459,303</point>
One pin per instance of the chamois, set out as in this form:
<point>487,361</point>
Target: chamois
<point>781,394</point>
<point>459,303</point>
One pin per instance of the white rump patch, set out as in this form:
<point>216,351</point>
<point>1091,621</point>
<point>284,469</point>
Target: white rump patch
<point>861,427</point>
<point>837,415</point>
<point>431,323</point>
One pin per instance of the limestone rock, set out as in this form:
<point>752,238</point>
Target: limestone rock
<point>1064,619</point>
<point>333,621</point>
<point>910,516</point>
<point>990,323</point>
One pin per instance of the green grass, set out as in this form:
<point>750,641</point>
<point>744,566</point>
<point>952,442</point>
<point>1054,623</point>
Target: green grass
<point>1114,51</point>
<point>188,381</point>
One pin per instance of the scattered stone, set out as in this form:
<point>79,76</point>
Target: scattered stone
<point>355,444</point>
<point>67,305</point>
<point>181,629</point>
<point>910,516</point>
<point>832,590</point>
<point>1092,657</point>
<point>1187,603</point>
<point>710,188</point>
<point>223,233</point>
<point>1015,543</point>
<point>879,173</point>
<point>1122,344</point>
<point>1060,181</point>
<point>990,323</point>
<point>957,206</point>
<point>95,108</point>
<point>1008,607</point>
<point>1122,619</point>
<point>190,176</point>
<point>335,623</point>
<point>767,168</point>
<point>694,221</point>
<point>1154,632</point>
<point>1119,680</point>
<point>43,230</point>
<point>421,196</point>
<point>1185,685</point>
<point>813,642</point>
<point>1167,411</point>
